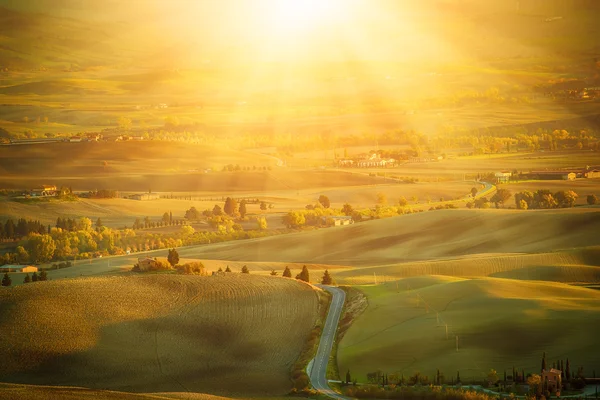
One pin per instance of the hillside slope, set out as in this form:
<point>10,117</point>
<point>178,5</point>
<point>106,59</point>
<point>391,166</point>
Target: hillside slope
<point>161,333</point>
<point>500,323</point>
<point>422,236</point>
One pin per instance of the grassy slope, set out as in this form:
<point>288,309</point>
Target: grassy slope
<point>220,335</point>
<point>572,266</point>
<point>500,323</point>
<point>422,236</point>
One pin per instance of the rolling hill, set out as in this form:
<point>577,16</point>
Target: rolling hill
<point>422,236</point>
<point>160,333</point>
<point>500,323</point>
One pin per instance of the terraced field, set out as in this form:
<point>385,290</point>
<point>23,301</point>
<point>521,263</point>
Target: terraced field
<point>234,334</point>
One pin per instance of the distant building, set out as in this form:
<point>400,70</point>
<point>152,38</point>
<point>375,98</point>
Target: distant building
<point>147,263</point>
<point>552,380</point>
<point>502,176</point>
<point>75,139</point>
<point>345,162</point>
<point>591,172</point>
<point>44,190</point>
<point>18,268</point>
<point>145,196</point>
<point>338,220</point>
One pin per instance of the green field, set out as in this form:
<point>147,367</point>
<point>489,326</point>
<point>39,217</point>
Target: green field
<point>500,323</point>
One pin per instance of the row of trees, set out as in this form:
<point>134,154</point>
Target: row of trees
<point>86,242</point>
<point>43,276</point>
<point>544,199</point>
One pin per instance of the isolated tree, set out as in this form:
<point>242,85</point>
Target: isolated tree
<point>99,223</point>
<point>173,257</point>
<point>27,279</point>
<point>43,276</point>
<point>303,275</point>
<point>381,198</point>
<point>474,191</point>
<point>457,376</point>
<point>230,206</point>
<point>500,197</point>
<point>324,201</point>
<point>6,281</point>
<point>263,206</point>
<point>348,377</point>
<point>273,273</point>
<point>287,273</point>
<point>217,210</point>
<point>592,199</point>
<point>228,269</point>
<point>327,280</point>
<point>245,270</point>
<point>165,218</point>
<point>261,223</point>
<point>243,210</point>
<point>402,202</point>
<point>347,209</point>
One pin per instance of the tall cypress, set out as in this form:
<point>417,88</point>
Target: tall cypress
<point>544,362</point>
<point>568,370</point>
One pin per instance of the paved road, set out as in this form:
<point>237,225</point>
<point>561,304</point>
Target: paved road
<point>318,372</point>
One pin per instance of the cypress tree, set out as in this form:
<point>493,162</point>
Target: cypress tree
<point>457,377</point>
<point>348,377</point>
<point>34,277</point>
<point>544,362</point>
<point>245,270</point>
<point>303,275</point>
<point>562,370</point>
<point>228,269</point>
<point>27,279</point>
<point>6,281</point>
<point>568,370</point>
<point>286,272</point>
<point>327,280</point>
<point>514,374</point>
<point>43,275</point>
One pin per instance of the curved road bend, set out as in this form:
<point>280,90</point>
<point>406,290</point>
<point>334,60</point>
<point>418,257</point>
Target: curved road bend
<point>318,372</point>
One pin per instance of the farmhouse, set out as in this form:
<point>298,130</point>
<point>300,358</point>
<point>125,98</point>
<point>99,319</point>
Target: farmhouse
<point>44,190</point>
<point>18,268</point>
<point>145,196</point>
<point>591,172</point>
<point>345,162</point>
<point>147,263</point>
<point>552,380</point>
<point>338,220</point>
<point>502,176</point>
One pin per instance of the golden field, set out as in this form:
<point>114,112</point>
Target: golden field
<point>421,236</point>
<point>219,335</point>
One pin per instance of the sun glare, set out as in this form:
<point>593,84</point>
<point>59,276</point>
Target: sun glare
<point>302,16</point>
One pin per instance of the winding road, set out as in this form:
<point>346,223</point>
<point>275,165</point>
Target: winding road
<point>318,366</point>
